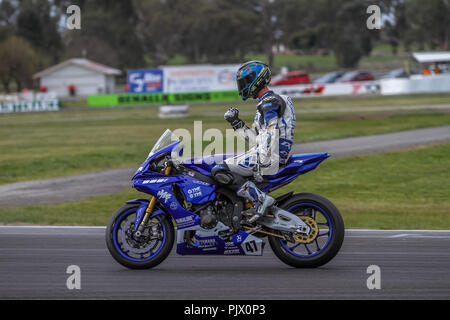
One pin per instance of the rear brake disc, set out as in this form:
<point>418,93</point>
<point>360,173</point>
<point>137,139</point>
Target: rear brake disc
<point>313,232</point>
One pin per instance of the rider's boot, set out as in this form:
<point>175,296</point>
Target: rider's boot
<point>262,201</point>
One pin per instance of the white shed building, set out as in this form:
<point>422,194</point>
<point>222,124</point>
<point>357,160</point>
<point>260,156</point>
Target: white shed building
<point>85,76</point>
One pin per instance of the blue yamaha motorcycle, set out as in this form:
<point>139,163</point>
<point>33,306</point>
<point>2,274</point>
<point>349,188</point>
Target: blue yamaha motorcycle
<point>304,230</point>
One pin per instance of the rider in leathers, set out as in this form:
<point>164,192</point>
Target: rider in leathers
<point>271,136</point>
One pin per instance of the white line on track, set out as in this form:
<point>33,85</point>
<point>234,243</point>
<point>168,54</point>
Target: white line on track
<point>54,227</point>
<point>103,227</point>
<point>349,233</point>
<point>401,235</point>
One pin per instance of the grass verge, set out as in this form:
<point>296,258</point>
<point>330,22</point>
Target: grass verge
<point>45,145</point>
<point>327,63</point>
<point>397,190</point>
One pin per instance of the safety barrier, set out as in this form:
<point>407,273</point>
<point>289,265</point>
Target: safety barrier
<point>30,106</point>
<point>329,89</point>
<point>126,99</point>
<point>416,84</point>
<point>174,111</point>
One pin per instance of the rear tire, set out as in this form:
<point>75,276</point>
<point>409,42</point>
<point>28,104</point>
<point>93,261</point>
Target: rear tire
<point>333,223</point>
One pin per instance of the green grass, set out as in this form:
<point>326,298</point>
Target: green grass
<point>373,101</point>
<point>330,103</point>
<point>94,211</point>
<point>381,58</point>
<point>311,63</point>
<point>351,125</point>
<point>68,104</point>
<point>44,145</point>
<point>328,63</point>
<point>398,190</point>
<point>401,190</point>
<point>312,103</point>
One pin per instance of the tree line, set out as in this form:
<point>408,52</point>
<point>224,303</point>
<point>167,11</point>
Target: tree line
<point>148,33</point>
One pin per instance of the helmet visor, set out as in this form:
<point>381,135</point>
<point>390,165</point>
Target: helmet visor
<point>244,82</point>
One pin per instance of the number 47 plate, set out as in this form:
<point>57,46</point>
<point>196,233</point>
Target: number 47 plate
<point>252,246</point>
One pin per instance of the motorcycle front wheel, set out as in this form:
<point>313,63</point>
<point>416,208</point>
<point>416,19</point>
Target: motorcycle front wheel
<point>324,239</point>
<point>143,252</point>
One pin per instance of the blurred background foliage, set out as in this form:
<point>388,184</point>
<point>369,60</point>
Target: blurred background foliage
<point>148,33</point>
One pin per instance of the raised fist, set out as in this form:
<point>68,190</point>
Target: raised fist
<point>231,115</point>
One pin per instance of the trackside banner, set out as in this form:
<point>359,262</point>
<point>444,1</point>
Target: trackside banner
<point>179,79</point>
<point>145,80</point>
<point>30,106</point>
<point>128,99</point>
<point>200,78</point>
<point>331,89</point>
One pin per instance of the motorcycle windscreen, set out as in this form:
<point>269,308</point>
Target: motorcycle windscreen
<point>166,139</point>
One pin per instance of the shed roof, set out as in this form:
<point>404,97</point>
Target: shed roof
<point>437,56</point>
<point>82,63</point>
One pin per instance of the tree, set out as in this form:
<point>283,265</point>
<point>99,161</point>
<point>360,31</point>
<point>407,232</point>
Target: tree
<point>212,31</point>
<point>220,32</point>
<point>16,62</point>
<point>307,25</point>
<point>352,39</point>
<point>7,11</point>
<point>35,23</point>
<point>161,25</point>
<point>396,27</point>
<point>109,26</point>
<point>337,25</point>
<point>267,26</point>
<point>429,22</point>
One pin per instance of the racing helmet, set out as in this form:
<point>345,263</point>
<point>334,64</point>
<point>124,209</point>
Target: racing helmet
<point>251,77</point>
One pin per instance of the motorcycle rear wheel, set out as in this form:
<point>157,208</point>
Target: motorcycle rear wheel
<point>323,245</point>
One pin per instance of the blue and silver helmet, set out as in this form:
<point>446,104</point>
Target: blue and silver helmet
<point>251,77</point>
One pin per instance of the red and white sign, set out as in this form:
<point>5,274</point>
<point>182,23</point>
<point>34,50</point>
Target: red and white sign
<point>330,89</point>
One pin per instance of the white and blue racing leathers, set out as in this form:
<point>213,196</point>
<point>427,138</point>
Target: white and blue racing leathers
<point>270,137</point>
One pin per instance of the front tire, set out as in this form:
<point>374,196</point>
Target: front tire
<point>138,253</point>
<point>316,250</point>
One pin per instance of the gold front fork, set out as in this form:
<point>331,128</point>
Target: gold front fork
<point>151,205</point>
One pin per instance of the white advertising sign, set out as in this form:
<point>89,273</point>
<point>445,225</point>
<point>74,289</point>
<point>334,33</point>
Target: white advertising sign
<point>416,84</point>
<point>30,106</point>
<point>199,78</point>
<point>330,89</point>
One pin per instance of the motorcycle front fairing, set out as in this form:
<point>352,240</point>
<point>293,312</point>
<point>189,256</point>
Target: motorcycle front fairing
<point>160,186</point>
<point>196,192</point>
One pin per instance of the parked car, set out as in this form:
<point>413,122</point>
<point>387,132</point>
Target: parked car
<point>329,77</point>
<point>294,77</point>
<point>398,73</point>
<point>357,75</point>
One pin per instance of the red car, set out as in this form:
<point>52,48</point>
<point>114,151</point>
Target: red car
<point>357,75</point>
<point>294,77</point>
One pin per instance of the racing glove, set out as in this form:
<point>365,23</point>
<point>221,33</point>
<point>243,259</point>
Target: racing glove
<point>232,116</point>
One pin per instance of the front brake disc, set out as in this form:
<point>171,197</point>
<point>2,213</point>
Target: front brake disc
<point>131,244</point>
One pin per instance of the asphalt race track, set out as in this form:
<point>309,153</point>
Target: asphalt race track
<point>33,263</point>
